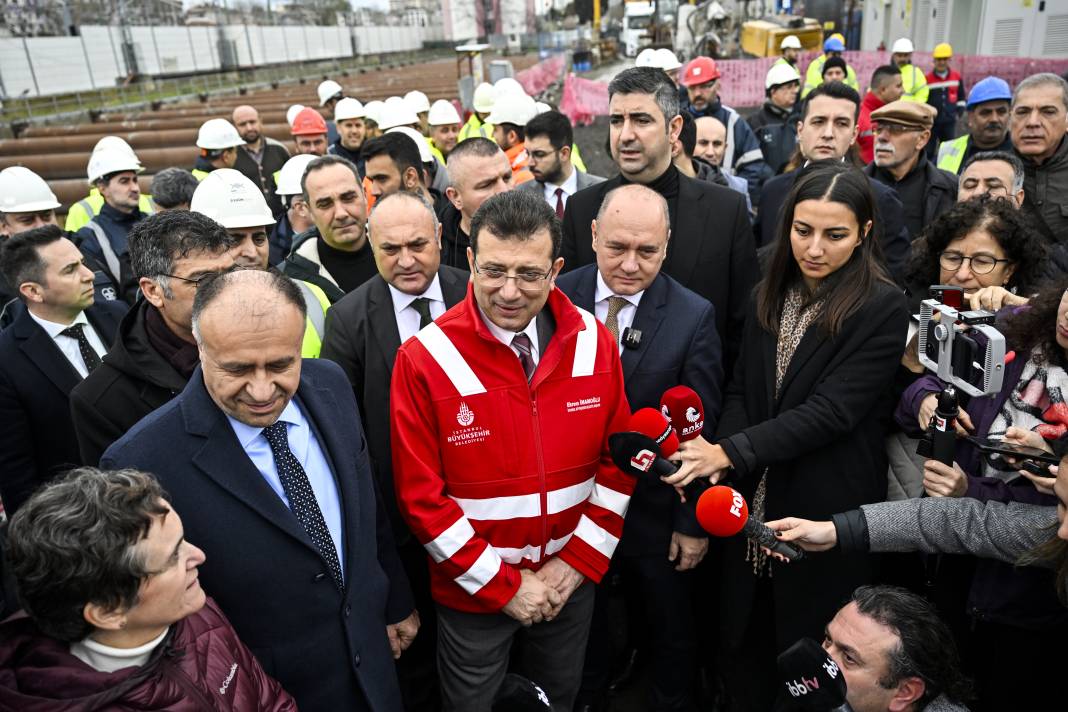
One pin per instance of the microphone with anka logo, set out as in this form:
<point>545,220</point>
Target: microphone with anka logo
<point>722,511</point>
<point>812,678</point>
<point>684,411</point>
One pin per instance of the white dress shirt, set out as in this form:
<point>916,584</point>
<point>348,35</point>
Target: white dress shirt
<point>406,314</point>
<point>570,187</point>
<point>68,344</point>
<point>625,316</point>
<point>505,336</point>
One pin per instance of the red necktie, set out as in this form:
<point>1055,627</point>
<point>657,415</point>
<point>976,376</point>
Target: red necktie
<point>560,203</point>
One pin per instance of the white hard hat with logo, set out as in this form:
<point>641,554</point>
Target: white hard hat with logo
<point>420,141</point>
<point>418,101</point>
<point>328,90</point>
<point>646,58</point>
<point>349,109</point>
<point>515,109</point>
<point>666,60</point>
<point>902,45</point>
<point>443,113</point>
<point>396,112</point>
<point>110,160</point>
<point>218,134</point>
<point>229,198</point>
<point>483,99</point>
<point>291,173</point>
<point>23,191</point>
<point>781,74</point>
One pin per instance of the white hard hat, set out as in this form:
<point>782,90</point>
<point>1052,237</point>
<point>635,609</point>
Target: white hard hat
<point>646,58</point>
<point>666,60</point>
<point>349,109</point>
<point>781,73</point>
<point>113,142</point>
<point>420,141</point>
<point>515,109</point>
<point>506,86</point>
<point>442,113</point>
<point>218,134</point>
<point>291,113</point>
<point>790,42</point>
<point>902,45</point>
<point>373,110</point>
<point>328,90</point>
<point>418,101</point>
<point>396,112</point>
<point>109,160</point>
<point>23,191</point>
<point>229,198</point>
<point>291,173</point>
<point>542,107</point>
<point>483,99</point>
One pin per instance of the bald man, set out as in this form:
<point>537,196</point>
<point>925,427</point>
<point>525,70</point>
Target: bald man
<point>711,145</point>
<point>478,169</point>
<point>261,157</point>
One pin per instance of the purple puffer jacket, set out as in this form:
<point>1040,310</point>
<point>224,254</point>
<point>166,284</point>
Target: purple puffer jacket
<point>200,666</point>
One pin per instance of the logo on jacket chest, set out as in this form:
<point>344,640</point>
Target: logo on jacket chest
<point>468,433</point>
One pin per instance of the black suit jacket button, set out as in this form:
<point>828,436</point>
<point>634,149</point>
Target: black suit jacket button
<point>348,611</point>
<point>356,660</point>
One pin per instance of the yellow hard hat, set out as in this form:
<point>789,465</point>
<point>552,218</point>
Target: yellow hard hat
<point>942,51</point>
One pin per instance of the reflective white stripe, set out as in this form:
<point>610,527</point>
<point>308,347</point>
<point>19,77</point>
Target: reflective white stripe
<point>481,572</point>
<point>531,552</point>
<point>609,499</point>
<point>450,541</point>
<point>596,536</point>
<point>585,346</point>
<point>728,155</point>
<point>749,157</point>
<point>498,509</point>
<point>943,85</point>
<point>452,363</point>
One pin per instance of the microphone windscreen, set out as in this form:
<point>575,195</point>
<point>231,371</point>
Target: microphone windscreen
<point>636,454</point>
<point>722,511</point>
<point>683,408</point>
<point>811,676</point>
<point>518,694</point>
<point>651,422</point>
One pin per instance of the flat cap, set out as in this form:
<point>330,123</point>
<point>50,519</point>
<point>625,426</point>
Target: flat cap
<point>906,113</point>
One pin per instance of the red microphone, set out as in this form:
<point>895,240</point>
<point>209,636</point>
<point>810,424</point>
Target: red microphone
<point>722,511</point>
<point>650,422</point>
<point>684,411</point>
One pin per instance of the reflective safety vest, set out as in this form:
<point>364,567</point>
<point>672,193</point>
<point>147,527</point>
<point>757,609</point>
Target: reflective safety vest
<point>199,174</point>
<point>814,76</point>
<point>517,157</point>
<point>914,82</point>
<point>576,159</point>
<point>951,153</point>
<point>87,208</point>
<point>316,303</point>
<point>475,127</point>
<point>435,150</point>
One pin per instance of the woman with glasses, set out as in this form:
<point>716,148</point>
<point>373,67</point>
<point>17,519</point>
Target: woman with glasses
<point>802,424</point>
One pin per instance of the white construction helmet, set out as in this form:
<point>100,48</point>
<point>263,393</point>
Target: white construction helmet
<point>443,113</point>
<point>781,73</point>
<point>111,160</point>
<point>483,99</point>
<point>348,109</point>
<point>229,198</point>
<point>420,141</point>
<point>515,109</point>
<point>418,101</point>
<point>506,86</point>
<point>291,173</point>
<point>372,110</point>
<point>666,60</point>
<point>218,134</point>
<point>23,191</point>
<point>902,45</point>
<point>542,107</point>
<point>328,90</point>
<point>790,42</point>
<point>646,58</point>
<point>396,112</point>
<point>291,112</point>
<point>112,142</point>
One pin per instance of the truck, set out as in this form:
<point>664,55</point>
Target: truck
<point>637,16</point>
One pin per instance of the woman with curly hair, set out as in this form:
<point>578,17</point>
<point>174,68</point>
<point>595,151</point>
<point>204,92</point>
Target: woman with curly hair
<point>985,246</point>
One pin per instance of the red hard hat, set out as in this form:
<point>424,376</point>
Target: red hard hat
<point>700,71</point>
<point>308,122</point>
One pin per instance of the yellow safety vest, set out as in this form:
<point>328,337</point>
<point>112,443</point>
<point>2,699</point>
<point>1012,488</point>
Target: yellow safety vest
<point>914,82</point>
<point>87,208</point>
<point>316,303</point>
<point>474,127</point>
<point>435,150</point>
<point>951,153</point>
<point>199,174</point>
<point>814,76</point>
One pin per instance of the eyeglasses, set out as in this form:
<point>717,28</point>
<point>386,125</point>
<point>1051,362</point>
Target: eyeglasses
<point>893,129</point>
<point>195,282</point>
<point>980,264</point>
<point>530,282</point>
<point>541,155</point>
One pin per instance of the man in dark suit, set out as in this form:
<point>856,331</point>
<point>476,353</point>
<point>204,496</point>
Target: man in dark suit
<point>826,131</point>
<point>51,346</point>
<point>264,457</point>
<point>712,250</point>
<point>363,332</point>
<point>679,344</point>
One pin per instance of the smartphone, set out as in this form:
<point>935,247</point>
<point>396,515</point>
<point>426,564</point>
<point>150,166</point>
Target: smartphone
<point>1021,452</point>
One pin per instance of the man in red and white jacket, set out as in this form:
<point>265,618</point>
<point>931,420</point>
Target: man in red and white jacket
<point>500,414</point>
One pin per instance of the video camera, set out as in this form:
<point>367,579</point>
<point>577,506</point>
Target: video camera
<point>949,349</point>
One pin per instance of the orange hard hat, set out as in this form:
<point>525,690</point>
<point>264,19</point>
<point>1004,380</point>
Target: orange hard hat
<point>700,71</point>
<point>308,122</point>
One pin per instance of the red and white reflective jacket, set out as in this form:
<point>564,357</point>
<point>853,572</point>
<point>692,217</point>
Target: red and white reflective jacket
<point>494,475</point>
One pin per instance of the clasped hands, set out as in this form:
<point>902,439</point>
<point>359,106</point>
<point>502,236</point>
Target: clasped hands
<point>543,593</point>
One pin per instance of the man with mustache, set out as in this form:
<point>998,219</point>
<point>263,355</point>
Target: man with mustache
<point>1039,122</point>
<point>988,125</point>
<point>901,130</point>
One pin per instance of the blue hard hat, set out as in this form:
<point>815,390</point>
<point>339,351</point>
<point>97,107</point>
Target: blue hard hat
<point>833,44</point>
<point>989,89</point>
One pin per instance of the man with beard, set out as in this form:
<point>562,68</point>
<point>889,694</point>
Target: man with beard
<point>548,140</point>
<point>261,157</point>
<point>988,125</point>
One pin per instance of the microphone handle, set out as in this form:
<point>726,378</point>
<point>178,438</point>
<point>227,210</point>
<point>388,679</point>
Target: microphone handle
<point>764,536</point>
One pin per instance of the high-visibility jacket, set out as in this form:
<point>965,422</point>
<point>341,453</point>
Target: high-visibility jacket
<point>914,82</point>
<point>518,157</point>
<point>576,159</point>
<point>476,127</point>
<point>435,150</point>
<point>199,174</point>
<point>951,153</point>
<point>316,303</point>
<point>493,474</point>
<point>88,208</point>
<point>814,76</point>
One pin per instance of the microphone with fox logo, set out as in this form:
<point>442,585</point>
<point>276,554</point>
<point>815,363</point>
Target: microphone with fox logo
<point>812,678</point>
<point>722,511</point>
<point>684,411</point>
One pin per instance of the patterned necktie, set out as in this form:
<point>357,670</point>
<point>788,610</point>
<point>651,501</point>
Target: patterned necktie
<point>560,203</point>
<point>522,344</point>
<point>422,305</point>
<point>89,354</point>
<point>301,497</point>
<point>611,322</point>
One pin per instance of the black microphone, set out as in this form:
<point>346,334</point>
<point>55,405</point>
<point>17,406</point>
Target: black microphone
<point>631,338</point>
<point>518,694</point>
<point>638,455</point>
<point>812,678</point>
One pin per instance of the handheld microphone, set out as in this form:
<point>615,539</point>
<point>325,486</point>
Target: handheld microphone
<point>637,455</point>
<point>722,511</point>
<point>812,678</point>
<point>518,694</point>
<point>684,411</point>
<point>652,423</point>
